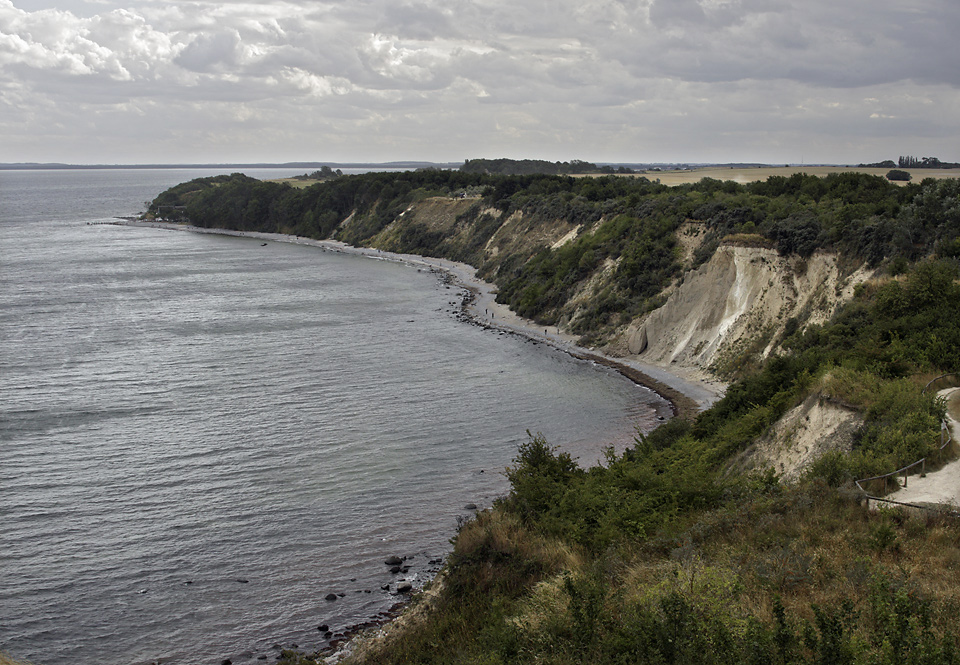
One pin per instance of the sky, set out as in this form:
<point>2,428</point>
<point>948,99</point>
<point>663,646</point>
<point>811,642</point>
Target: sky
<point>698,81</point>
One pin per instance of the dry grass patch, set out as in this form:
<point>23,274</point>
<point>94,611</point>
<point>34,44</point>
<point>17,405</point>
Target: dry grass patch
<point>7,660</point>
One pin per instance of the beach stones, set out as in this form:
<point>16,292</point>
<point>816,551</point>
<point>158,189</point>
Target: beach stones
<point>331,597</point>
<point>393,561</point>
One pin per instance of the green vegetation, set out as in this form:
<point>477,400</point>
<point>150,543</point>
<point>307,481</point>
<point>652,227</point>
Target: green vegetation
<point>664,554</point>
<point>898,175</point>
<point>325,173</point>
<point>910,162</point>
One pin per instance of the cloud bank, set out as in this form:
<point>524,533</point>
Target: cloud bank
<point>603,80</point>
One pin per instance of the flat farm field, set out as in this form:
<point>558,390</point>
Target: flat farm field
<point>744,175</point>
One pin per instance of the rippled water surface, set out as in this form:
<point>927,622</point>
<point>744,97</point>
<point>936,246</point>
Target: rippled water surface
<point>201,437</point>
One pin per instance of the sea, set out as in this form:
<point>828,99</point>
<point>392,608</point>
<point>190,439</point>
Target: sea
<point>203,437</point>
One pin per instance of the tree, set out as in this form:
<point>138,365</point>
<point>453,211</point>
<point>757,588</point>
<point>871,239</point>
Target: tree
<point>896,174</point>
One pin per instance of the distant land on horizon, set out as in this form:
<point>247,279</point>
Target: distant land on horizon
<point>412,165</point>
<point>23,166</point>
<point>45,166</point>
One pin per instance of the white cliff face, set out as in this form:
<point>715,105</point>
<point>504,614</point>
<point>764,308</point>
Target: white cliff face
<point>741,297</point>
<point>741,301</point>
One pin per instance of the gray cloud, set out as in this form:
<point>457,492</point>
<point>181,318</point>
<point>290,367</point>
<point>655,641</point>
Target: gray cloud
<point>377,79</point>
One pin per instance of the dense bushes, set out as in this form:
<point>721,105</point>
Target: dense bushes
<point>780,576</point>
<point>645,251</point>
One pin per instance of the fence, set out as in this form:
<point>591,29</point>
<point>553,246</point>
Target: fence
<point>946,438</point>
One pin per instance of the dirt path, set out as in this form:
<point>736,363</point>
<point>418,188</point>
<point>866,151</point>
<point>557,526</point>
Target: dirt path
<point>941,486</point>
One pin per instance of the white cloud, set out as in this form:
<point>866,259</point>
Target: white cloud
<point>378,79</point>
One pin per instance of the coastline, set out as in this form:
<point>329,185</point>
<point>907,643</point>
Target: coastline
<point>688,395</point>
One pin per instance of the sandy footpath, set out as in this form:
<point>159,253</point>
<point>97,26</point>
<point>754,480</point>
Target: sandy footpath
<point>688,394</point>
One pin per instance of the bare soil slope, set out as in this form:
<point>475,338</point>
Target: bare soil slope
<point>739,301</point>
<point>801,436</point>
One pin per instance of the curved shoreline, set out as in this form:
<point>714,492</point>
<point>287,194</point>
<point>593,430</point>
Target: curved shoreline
<point>687,397</point>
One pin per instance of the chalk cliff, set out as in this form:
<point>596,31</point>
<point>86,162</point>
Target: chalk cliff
<point>738,303</point>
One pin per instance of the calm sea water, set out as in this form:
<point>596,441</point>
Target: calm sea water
<point>202,437</point>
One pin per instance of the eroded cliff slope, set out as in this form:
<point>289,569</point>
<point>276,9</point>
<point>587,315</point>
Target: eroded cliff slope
<point>736,306</point>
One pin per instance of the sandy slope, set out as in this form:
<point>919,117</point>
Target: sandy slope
<point>740,296</point>
<point>801,436</point>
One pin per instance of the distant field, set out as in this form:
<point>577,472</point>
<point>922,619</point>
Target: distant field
<point>745,175</point>
<point>740,174</point>
<point>295,182</point>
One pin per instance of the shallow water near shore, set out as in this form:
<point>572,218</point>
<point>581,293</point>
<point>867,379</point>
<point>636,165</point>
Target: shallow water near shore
<point>202,436</point>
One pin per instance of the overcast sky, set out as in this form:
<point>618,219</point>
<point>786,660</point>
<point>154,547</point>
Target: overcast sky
<point>775,81</point>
